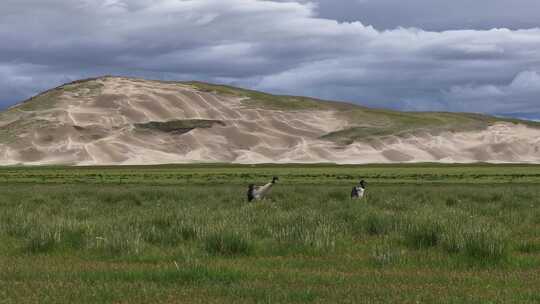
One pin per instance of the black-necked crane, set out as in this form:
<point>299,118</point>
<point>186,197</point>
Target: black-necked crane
<point>256,193</point>
<point>359,190</point>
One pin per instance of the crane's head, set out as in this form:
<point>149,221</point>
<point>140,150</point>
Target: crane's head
<point>251,187</point>
<point>275,179</point>
<point>363,184</point>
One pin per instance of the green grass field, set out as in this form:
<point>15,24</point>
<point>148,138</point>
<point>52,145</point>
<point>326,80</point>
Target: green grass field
<point>185,234</point>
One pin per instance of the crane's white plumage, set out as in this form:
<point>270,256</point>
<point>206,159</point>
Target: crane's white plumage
<point>359,190</point>
<point>258,193</point>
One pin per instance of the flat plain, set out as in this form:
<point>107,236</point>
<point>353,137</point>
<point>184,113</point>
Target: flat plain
<point>424,233</point>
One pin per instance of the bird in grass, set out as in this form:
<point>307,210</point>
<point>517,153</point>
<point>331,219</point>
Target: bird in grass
<point>256,193</point>
<point>359,190</point>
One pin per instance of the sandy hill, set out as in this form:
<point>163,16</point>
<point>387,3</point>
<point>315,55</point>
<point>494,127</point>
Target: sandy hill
<point>114,120</point>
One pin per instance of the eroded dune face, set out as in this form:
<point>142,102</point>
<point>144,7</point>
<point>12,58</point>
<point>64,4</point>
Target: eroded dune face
<point>95,124</point>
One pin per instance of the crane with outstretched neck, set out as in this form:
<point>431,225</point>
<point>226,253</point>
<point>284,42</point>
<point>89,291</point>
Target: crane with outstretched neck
<point>256,193</point>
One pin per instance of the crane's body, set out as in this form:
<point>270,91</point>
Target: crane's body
<point>359,191</point>
<point>258,193</point>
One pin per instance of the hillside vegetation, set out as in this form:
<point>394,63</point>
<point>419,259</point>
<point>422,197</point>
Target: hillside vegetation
<point>369,122</point>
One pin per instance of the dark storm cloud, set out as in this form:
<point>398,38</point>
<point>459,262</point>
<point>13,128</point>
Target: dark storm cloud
<point>283,47</point>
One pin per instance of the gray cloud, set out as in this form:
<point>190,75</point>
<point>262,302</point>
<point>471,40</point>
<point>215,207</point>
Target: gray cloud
<point>434,15</point>
<point>520,97</point>
<point>283,47</point>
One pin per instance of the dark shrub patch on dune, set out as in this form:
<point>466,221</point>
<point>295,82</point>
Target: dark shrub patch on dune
<point>179,126</point>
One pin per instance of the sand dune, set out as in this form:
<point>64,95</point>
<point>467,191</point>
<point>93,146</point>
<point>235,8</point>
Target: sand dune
<point>96,126</point>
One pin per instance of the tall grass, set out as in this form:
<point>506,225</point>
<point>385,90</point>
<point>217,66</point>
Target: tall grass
<point>116,243</point>
<point>482,242</point>
<point>309,230</point>
<point>228,244</point>
<point>134,220</point>
<point>379,223</point>
<point>423,233</point>
<point>386,254</point>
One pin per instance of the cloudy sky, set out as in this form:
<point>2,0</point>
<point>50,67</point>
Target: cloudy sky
<point>460,55</point>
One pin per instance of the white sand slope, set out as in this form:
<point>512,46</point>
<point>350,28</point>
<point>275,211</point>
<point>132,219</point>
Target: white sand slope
<point>97,127</point>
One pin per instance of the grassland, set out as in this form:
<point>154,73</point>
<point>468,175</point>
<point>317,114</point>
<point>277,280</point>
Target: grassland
<point>202,174</point>
<point>185,234</point>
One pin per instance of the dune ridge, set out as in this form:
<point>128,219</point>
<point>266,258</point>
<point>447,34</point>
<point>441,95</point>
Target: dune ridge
<point>94,122</point>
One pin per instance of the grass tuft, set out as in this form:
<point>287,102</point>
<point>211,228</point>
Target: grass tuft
<point>386,254</point>
<point>379,223</point>
<point>529,247</point>
<point>42,242</point>
<point>423,233</point>
<point>227,244</point>
<point>481,242</point>
<point>306,231</point>
<point>487,244</point>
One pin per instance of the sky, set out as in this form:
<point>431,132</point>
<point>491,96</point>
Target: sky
<point>416,55</point>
